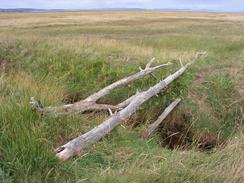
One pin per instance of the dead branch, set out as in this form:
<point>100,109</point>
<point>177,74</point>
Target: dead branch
<point>75,146</point>
<point>90,103</point>
<point>151,129</point>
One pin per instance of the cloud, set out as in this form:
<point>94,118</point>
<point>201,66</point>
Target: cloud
<point>216,5</point>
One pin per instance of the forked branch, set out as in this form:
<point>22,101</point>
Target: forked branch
<point>90,103</point>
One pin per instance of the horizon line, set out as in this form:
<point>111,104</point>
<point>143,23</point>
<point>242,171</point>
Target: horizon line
<point>117,9</point>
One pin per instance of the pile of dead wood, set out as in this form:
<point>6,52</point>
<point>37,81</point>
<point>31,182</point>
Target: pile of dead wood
<point>118,112</point>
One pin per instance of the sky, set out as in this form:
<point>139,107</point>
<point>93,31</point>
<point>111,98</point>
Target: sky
<point>212,5</point>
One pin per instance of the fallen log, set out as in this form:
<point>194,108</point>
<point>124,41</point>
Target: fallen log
<point>75,146</point>
<point>90,103</point>
<point>152,128</point>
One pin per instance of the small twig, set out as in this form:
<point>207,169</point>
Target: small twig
<point>110,112</point>
<point>155,77</point>
<point>123,126</point>
<point>201,53</point>
<point>162,65</point>
<point>150,63</point>
<point>181,64</point>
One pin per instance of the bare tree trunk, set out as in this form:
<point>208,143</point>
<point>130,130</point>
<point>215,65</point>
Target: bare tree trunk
<point>89,104</point>
<point>75,146</point>
<point>151,129</point>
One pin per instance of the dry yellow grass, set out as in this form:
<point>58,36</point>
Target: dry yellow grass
<point>96,17</point>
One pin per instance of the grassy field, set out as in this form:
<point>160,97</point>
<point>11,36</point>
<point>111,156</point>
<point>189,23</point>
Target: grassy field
<point>63,57</point>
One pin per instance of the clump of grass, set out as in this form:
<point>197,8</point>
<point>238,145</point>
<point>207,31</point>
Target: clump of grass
<point>221,99</point>
<point>224,92</point>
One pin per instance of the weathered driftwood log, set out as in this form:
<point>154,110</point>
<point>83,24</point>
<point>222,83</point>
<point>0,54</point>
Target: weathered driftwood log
<point>75,146</point>
<point>152,128</point>
<point>90,103</point>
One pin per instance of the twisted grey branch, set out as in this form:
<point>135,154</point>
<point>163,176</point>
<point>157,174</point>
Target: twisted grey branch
<point>90,103</point>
